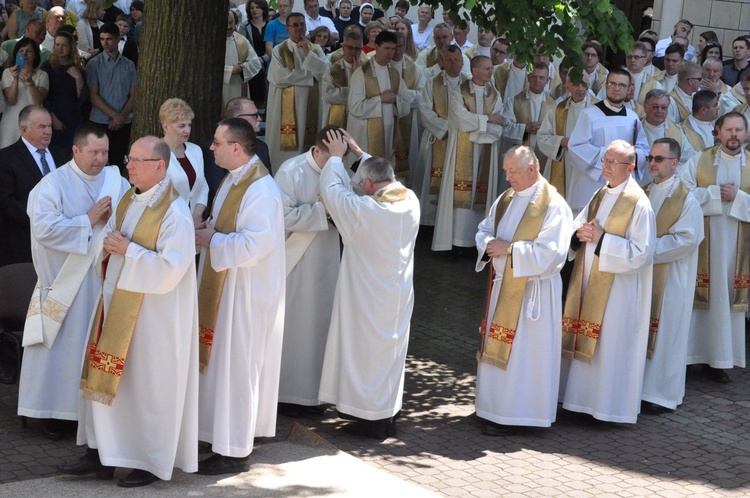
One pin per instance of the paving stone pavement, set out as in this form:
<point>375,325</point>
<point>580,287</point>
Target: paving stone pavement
<point>703,449</point>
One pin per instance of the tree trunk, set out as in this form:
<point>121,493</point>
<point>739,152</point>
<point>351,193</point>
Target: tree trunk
<point>182,55</point>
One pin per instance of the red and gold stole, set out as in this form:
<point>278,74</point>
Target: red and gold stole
<point>464,160</point>
<point>667,216</point>
<point>110,336</point>
<point>583,314</point>
<point>288,107</point>
<point>212,281</point>
<point>375,127</point>
<point>502,330</point>
<point>705,177</point>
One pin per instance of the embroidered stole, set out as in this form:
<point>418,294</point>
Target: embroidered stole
<point>673,132</point>
<point>432,57</point>
<point>584,313</point>
<point>212,282</point>
<point>288,107</point>
<point>739,94</point>
<point>705,177</point>
<point>693,136</point>
<point>337,113</point>
<point>684,111</point>
<point>110,335</point>
<point>557,168</point>
<point>463,180</point>
<point>668,215</point>
<point>440,106</point>
<point>375,126</point>
<point>394,192</point>
<point>402,138</point>
<point>504,324</point>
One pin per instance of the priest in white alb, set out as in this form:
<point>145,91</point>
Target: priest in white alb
<point>606,313</point>
<point>67,211</point>
<point>679,230</point>
<point>719,178</point>
<point>140,388</point>
<point>525,238</point>
<point>241,299</point>
<point>363,369</point>
<point>241,63</point>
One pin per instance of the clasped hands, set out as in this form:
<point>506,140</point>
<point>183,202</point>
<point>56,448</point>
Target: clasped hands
<point>590,232</point>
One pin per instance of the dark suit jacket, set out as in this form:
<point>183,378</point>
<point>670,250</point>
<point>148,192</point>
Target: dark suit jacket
<point>18,175</point>
<point>214,174</point>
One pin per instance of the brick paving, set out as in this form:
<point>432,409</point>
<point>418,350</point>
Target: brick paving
<point>703,449</point>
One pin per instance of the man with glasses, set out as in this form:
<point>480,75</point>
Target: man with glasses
<point>699,125</point>
<point>294,76</point>
<point>679,230</point>
<point>657,125</point>
<point>719,178</point>
<point>335,86</point>
<point>597,127</point>
<point>606,318</point>
<point>689,78</point>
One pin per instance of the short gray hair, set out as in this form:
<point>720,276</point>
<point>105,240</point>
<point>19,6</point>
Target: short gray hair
<point>524,155</point>
<point>625,148</point>
<point>377,170</point>
<point>25,115</point>
<point>656,93</point>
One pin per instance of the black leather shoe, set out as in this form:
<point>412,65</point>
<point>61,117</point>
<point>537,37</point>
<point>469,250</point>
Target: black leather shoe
<point>372,429</point>
<point>219,464</point>
<point>494,430</point>
<point>88,464</point>
<point>716,374</point>
<point>653,409</point>
<point>137,478</point>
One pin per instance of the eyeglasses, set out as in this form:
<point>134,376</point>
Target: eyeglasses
<point>131,159</point>
<point>658,107</point>
<point>699,79</point>
<point>658,159</point>
<point>217,144</point>
<point>636,57</point>
<point>254,115</point>
<point>619,86</point>
<point>589,55</point>
<point>296,25</point>
<point>607,161</point>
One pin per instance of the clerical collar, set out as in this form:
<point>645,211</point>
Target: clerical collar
<point>80,172</point>
<point>530,191</point>
<point>237,173</point>
<point>609,110</point>
<point>344,18</point>
<point>311,160</point>
<point>670,184</point>
<point>617,189</point>
<point>153,194</point>
<point>728,157</point>
<point>654,127</point>
<point>477,88</point>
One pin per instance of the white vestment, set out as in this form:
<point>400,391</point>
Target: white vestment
<point>246,351</point>
<point>310,285</point>
<point>588,143</point>
<point>458,226</point>
<point>664,376</point>
<point>235,85</point>
<point>610,387</point>
<point>363,370</point>
<point>58,212</point>
<point>152,424</point>
<point>704,129</point>
<point>525,393</point>
<point>435,128</point>
<point>307,70</point>
<point>361,109</point>
<point>731,99</point>
<point>654,132</point>
<point>673,114</point>
<point>668,82</point>
<point>717,335</point>
<point>414,95</point>
<point>432,71</point>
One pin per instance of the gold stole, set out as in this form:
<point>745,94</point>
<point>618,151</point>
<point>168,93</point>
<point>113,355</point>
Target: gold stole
<point>684,111</point>
<point>693,136</point>
<point>337,112</point>
<point>673,132</point>
<point>402,138</point>
<point>464,160</point>
<point>288,107</point>
<point>522,110</point>
<point>583,316</point>
<point>243,46</point>
<point>557,168</point>
<point>502,330</point>
<point>375,126</point>
<point>501,75</point>
<point>392,193</point>
<point>705,176</point>
<point>739,95</point>
<point>110,336</point>
<point>212,282</point>
<point>432,57</point>
<point>439,147</point>
<point>668,215</point>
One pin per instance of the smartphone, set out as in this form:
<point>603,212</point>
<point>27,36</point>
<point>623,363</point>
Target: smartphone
<point>20,61</point>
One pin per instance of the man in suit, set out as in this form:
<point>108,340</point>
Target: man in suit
<point>22,165</point>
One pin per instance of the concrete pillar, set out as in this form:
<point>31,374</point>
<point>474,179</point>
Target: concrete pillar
<point>671,12</point>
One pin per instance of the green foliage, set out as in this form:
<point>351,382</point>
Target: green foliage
<point>559,25</point>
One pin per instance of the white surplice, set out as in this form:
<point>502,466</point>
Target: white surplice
<point>246,350</point>
<point>361,109</point>
<point>199,193</point>
<point>717,335</point>
<point>435,128</point>
<point>654,132</point>
<point>235,85</point>
<point>152,424</point>
<point>458,226</point>
<point>664,376</point>
<point>525,393</point>
<point>432,71</point>
<point>307,70</point>
<point>310,285</point>
<point>363,370</point>
<point>610,387</point>
<point>58,212</point>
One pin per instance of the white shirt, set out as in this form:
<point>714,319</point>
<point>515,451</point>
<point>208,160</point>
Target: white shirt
<point>38,157</point>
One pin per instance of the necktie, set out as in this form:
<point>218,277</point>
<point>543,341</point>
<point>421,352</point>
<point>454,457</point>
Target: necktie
<point>45,166</point>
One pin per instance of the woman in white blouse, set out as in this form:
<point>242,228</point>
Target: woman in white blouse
<point>186,166</point>
<point>88,27</point>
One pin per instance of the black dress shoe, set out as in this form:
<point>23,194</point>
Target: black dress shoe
<point>654,409</point>
<point>88,464</point>
<point>219,464</point>
<point>494,430</point>
<point>137,478</point>
<point>716,374</point>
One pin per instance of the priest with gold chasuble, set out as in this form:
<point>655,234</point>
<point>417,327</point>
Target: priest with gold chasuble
<point>719,178</point>
<point>606,312</point>
<point>526,235</point>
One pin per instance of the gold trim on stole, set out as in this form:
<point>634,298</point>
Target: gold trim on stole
<point>288,107</point>
<point>557,168</point>
<point>337,113</point>
<point>439,147</point>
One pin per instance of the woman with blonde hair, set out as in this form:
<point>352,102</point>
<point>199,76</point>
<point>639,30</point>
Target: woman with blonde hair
<point>88,27</point>
<point>186,165</point>
<point>405,28</point>
<point>372,30</point>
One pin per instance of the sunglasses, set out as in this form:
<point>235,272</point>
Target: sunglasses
<point>658,159</point>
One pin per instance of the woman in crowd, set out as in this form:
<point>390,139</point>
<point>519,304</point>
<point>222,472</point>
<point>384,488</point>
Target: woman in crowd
<point>423,33</point>
<point>366,10</point>
<point>254,30</point>
<point>372,30</point>
<point>68,91</point>
<point>321,36</point>
<point>136,13</point>
<point>186,166</point>
<point>88,27</point>
<point>20,18</point>
<point>405,28</point>
<point>704,38</point>
<point>22,86</point>
<point>712,49</point>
